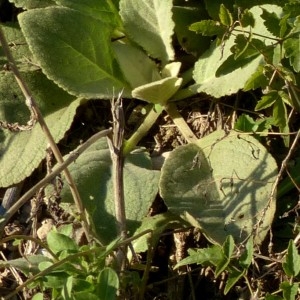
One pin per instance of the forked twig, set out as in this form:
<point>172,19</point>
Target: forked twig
<point>37,116</point>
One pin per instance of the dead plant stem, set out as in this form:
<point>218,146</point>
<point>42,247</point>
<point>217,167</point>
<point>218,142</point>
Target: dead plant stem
<point>36,115</point>
<point>57,170</point>
<point>115,144</point>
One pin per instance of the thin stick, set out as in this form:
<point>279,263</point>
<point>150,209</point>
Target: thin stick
<point>36,115</point>
<point>57,170</point>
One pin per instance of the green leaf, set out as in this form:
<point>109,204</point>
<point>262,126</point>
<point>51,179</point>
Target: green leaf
<point>137,66</point>
<point>292,9</point>
<point>103,11</point>
<point>30,4</point>
<point>213,7</point>
<point>244,123</point>
<point>108,284</point>
<point>38,296</point>
<point>212,254</point>
<point>233,277</point>
<point>256,80</point>
<point>190,41</point>
<point>67,288</point>
<point>267,100</point>
<point>227,248</point>
<point>271,21</point>
<point>158,92</point>
<point>92,175</point>
<point>80,285</point>
<point>224,183</point>
<point>85,296</point>
<point>247,19</point>
<point>208,28</point>
<point>292,46</point>
<point>228,81</point>
<point>289,290</point>
<point>58,242</point>
<point>149,23</point>
<point>291,265</point>
<point>28,148</point>
<point>280,113</point>
<point>157,224</point>
<point>71,52</point>
<point>246,257</point>
<point>225,16</point>
<point>28,265</point>
<point>245,48</point>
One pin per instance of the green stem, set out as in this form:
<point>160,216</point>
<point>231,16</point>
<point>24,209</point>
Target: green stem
<point>183,127</point>
<point>148,122</point>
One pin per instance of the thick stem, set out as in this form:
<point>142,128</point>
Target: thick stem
<point>142,131</point>
<point>178,120</point>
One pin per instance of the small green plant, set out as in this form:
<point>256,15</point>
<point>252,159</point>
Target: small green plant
<point>69,52</point>
<point>69,271</point>
<point>236,261</point>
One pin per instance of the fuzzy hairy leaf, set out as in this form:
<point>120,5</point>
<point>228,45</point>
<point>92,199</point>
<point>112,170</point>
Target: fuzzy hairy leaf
<point>149,23</point>
<point>92,175</point>
<point>103,11</point>
<point>28,148</point>
<point>30,4</point>
<point>74,51</point>
<point>217,74</point>
<point>158,92</point>
<point>190,41</point>
<point>223,184</point>
<point>136,64</point>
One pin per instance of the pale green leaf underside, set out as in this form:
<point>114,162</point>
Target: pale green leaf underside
<point>205,69</point>
<point>149,23</point>
<point>73,50</point>
<point>22,152</point>
<point>158,92</point>
<point>137,66</point>
<point>92,174</point>
<point>224,183</point>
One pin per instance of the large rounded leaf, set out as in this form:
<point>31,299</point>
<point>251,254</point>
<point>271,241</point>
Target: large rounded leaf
<point>223,184</point>
<point>92,174</point>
